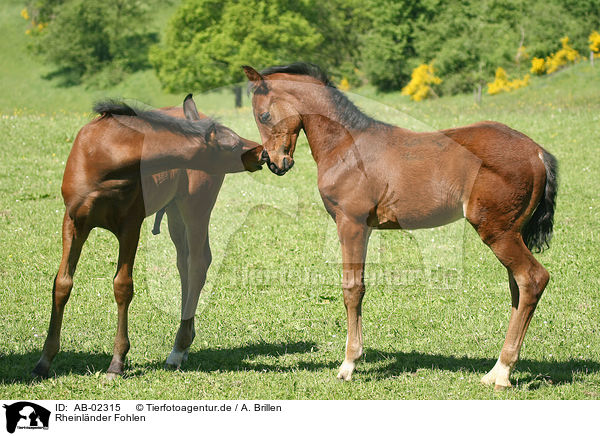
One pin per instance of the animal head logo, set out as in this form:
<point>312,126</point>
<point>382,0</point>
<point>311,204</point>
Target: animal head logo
<point>26,415</point>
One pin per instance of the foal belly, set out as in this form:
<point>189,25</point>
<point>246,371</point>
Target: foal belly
<point>159,189</point>
<point>415,216</point>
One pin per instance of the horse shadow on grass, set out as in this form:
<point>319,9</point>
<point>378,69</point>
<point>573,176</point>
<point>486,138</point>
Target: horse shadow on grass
<point>16,368</point>
<point>381,365</point>
<point>532,373</point>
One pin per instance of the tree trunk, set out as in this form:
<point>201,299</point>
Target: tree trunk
<point>238,95</point>
<point>477,94</point>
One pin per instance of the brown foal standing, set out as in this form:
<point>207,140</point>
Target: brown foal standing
<point>126,165</point>
<point>374,175</point>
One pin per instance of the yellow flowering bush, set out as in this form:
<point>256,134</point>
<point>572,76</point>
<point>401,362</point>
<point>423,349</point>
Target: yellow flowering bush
<point>594,40</point>
<point>538,66</point>
<point>344,85</point>
<point>556,60</point>
<point>502,84</point>
<point>419,86</point>
<point>35,26</point>
<point>565,55</point>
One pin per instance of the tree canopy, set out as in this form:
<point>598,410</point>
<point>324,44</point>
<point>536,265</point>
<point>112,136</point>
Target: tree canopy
<point>376,41</point>
<point>91,40</point>
<point>207,41</point>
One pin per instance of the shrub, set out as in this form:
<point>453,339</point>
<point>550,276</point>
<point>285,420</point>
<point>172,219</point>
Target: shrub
<point>502,84</point>
<point>419,87</point>
<point>562,57</point>
<point>594,40</point>
<point>538,66</point>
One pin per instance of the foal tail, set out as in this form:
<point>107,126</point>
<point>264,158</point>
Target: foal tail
<point>537,233</point>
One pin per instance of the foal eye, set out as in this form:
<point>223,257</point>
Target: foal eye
<point>264,117</point>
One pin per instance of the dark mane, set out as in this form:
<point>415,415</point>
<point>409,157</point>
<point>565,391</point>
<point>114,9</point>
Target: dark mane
<point>302,69</point>
<point>349,114</point>
<point>157,120</point>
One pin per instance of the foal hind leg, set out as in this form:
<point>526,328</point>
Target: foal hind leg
<point>179,238</point>
<point>527,279</point>
<point>73,240</point>
<point>198,261</point>
<point>123,288</point>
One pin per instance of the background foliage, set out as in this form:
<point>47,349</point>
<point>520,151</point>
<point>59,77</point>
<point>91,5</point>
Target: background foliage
<point>207,41</point>
<point>374,41</point>
<point>94,42</point>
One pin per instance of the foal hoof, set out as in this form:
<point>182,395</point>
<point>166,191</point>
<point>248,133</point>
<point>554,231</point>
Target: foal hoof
<point>39,375</point>
<point>40,371</point>
<point>497,377</point>
<point>345,373</point>
<point>500,388</point>
<point>175,359</point>
<point>171,366</point>
<point>111,377</point>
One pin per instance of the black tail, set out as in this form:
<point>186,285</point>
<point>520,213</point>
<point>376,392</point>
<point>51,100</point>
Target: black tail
<point>537,233</point>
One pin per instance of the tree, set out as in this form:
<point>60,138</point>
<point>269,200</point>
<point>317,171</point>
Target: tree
<point>87,40</point>
<point>207,41</point>
<point>467,40</point>
<point>388,49</point>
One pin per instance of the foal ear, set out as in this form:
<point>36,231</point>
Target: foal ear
<point>189,108</point>
<point>253,76</point>
<point>210,137</point>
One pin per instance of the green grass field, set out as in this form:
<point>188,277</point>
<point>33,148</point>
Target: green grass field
<point>271,322</point>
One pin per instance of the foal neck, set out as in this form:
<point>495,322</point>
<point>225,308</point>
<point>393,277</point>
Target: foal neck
<point>330,120</point>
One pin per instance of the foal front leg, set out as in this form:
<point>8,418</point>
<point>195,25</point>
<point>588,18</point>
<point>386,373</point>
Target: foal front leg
<point>353,238</point>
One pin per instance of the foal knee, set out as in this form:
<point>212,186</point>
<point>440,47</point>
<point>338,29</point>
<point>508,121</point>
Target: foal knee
<point>123,287</point>
<point>353,287</point>
<point>353,295</point>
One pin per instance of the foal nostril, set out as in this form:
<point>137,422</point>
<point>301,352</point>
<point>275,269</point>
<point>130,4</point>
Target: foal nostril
<point>285,164</point>
<point>264,156</point>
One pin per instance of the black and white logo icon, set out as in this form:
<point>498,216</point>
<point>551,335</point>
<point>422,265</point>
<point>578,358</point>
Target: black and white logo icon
<point>26,415</point>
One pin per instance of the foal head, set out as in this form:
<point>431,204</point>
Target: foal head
<point>226,141</point>
<point>278,121</point>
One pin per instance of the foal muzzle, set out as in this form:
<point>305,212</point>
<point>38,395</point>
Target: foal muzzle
<point>286,164</point>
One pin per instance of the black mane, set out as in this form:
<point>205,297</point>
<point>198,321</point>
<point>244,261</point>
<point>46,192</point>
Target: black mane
<point>349,114</point>
<point>302,69</point>
<point>157,120</point>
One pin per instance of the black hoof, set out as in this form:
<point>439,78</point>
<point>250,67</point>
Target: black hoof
<point>170,367</point>
<point>40,372</point>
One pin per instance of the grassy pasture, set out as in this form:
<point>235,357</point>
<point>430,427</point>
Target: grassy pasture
<point>271,322</point>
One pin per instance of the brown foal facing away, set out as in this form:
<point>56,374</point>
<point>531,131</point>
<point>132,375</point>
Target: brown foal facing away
<point>126,165</point>
<point>374,175</point>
